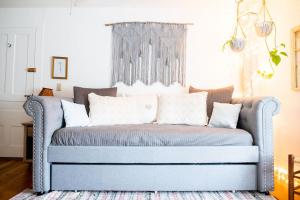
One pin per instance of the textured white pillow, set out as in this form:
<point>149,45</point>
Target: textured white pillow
<point>75,114</point>
<point>147,108</point>
<point>106,110</point>
<point>225,115</point>
<point>182,109</point>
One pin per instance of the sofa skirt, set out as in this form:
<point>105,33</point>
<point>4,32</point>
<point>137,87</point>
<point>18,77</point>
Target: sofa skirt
<point>153,177</point>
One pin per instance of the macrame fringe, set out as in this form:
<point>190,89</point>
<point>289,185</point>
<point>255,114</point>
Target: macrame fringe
<point>148,52</point>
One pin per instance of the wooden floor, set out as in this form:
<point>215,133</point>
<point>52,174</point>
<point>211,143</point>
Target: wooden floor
<point>15,176</point>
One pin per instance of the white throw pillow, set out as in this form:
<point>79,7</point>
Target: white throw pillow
<point>182,109</point>
<point>225,115</point>
<point>75,114</point>
<point>106,110</point>
<point>147,108</point>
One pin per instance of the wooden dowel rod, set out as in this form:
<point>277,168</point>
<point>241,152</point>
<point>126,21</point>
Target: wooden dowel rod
<point>110,24</point>
<point>297,187</point>
<point>297,172</point>
<point>297,177</point>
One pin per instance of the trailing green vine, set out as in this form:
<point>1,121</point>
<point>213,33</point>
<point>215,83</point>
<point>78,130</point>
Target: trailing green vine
<point>275,56</point>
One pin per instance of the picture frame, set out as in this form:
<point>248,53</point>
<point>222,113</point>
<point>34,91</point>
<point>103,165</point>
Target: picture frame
<point>59,67</point>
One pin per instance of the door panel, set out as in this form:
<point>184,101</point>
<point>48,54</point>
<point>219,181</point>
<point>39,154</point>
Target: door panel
<point>19,48</point>
<point>20,58</point>
<point>17,52</point>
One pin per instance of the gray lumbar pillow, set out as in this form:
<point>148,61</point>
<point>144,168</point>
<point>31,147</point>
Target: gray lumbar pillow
<point>225,115</point>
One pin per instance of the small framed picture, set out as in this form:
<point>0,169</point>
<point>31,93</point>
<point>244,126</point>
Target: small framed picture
<point>59,67</point>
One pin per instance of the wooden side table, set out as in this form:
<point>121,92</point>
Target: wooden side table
<point>292,176</point>
<point>28,141</point>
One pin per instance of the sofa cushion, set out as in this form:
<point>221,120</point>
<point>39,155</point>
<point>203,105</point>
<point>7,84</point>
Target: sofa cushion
<point>74,114</point>
<point>113,110</point>
<point>189,109</point>
<point>225,115</point>
<point>151,135</point>
<point>221,95</point>
<point>81,94</point>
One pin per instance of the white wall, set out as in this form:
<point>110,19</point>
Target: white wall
<point>287,126</point>
<point>87,42</point>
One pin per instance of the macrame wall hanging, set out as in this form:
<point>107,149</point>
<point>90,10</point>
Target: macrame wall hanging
<point>149,52</point>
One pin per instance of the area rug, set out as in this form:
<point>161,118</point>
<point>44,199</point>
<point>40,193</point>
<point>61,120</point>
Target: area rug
<point>84,195</point>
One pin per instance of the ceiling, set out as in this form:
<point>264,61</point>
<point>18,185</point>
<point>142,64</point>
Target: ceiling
<point>99,3</point>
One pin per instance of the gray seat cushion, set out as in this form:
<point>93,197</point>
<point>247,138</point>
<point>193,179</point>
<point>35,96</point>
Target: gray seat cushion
<point>151,135</point>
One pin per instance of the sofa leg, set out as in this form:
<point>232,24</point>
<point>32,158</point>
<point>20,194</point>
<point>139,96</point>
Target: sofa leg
<point>41,193</point>
<point>267,193</point>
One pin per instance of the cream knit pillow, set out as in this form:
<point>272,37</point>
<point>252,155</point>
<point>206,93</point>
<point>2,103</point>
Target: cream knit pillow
<point>182,109</point>
<point>106,110</point>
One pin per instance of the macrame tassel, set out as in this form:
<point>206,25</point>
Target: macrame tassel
<point>148,52</point>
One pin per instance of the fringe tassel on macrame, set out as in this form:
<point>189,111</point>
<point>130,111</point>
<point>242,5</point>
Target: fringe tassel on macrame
<point>148,52</point>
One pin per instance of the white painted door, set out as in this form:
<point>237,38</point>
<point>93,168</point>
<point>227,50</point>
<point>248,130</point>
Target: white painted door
<point>17,52</point>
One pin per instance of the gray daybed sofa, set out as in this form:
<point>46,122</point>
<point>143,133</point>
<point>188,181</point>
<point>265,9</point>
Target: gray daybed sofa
<point>152,157</point>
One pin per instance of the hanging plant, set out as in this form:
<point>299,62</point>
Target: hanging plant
<point>237,44</point>
<point>264,25</point>
<point>263,29</point>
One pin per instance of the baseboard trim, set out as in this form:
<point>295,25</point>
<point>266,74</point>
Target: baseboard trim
<point>10,158</point>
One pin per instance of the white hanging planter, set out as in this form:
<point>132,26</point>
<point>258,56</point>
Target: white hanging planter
<point>264,28</point>
<point>237,44</point>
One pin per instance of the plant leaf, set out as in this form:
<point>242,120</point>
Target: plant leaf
<point>283,53</point>
<point>276,59</point>
<point>269,76</point>
<point>273,52</point>
<point>225,44</point>
<point>283,45</point>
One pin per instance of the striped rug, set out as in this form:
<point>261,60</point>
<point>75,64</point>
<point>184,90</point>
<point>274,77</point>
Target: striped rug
<point>84,195</point>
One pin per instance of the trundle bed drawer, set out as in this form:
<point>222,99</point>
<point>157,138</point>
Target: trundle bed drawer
<point>130,177</point>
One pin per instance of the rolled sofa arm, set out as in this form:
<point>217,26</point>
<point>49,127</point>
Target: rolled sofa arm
<point>47,117</point>
<point>256,117</point>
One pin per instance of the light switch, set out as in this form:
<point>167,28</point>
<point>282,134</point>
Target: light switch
<point>58,87</point>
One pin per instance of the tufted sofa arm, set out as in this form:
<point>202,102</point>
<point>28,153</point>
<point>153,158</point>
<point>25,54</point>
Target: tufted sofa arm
<point>47,117</point>
<point>256,117</point>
